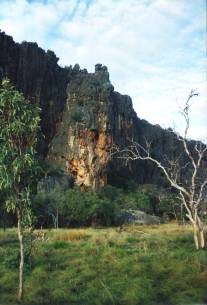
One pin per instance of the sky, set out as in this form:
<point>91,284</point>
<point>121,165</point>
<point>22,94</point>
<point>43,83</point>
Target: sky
<point>155,50</point>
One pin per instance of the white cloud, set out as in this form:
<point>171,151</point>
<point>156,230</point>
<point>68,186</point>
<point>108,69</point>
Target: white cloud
<point>154,49</point>
<point>32,21</point>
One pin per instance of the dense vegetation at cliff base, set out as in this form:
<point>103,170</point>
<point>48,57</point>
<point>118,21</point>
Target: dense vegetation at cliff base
<point>73,208</point>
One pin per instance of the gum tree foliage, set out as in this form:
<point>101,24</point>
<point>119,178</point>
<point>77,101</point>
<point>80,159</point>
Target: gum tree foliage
<point>19,129</point>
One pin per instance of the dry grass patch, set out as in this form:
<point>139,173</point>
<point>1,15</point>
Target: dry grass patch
<point>70,235</point>
<point>171,228</point>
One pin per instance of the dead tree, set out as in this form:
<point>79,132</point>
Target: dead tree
<point>190,191</point>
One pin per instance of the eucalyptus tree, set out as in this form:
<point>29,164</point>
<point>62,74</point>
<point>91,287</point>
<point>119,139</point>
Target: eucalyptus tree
<point>19,166</point>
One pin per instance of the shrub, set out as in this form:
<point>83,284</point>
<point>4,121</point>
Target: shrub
<point>46,208</point>
<point>170,205</point>
<point>138,200</point>
<point>84,209</point>
<point>74,208</point>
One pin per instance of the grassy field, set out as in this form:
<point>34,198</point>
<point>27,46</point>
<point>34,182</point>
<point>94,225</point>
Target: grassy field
<point>137,266</point>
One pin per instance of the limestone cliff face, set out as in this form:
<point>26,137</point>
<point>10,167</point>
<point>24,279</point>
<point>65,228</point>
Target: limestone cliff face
<point>82,117</point>
<point>94,118</point>
<point>37,75</point>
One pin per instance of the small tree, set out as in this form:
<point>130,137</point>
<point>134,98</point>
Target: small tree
<point>47,206</point>
<point>19,128</point>
<point>190,189</point>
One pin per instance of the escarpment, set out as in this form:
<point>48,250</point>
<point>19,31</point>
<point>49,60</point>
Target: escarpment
<point>37,75</point>
<point>82,117</point>
<point>94,118</point>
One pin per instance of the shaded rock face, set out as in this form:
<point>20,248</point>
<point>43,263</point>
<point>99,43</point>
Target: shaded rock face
<point>37,75</point>
<point>94,118</point>
<point>82,117</point>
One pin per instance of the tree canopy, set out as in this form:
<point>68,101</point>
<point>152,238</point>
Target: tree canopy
<point>19,129</point>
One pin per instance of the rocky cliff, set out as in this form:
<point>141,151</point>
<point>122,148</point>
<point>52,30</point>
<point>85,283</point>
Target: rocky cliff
<point>37,75</point>
<point>94,118</point>
<point>82,117</point>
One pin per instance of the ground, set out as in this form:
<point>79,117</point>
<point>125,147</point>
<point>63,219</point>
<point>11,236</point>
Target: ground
<point>135,265</point>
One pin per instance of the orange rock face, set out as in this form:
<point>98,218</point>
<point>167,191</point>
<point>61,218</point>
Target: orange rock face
<point>90,123</point>
<point>89,165</point>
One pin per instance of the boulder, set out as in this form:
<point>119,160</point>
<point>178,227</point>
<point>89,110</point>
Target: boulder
<point>136,217</point>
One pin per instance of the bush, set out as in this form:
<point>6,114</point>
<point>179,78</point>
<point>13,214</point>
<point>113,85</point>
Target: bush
<point>138,200</point>
<point>103,212</point>
<point>46,208</point>
<point>84,209</point>
<point>163,202</point>
<point>74,208</point>
<point>171,206</point>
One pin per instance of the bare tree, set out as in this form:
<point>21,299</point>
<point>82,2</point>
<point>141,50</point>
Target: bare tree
<point>190,190</point>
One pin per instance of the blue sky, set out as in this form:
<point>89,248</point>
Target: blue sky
<point>155,50</point>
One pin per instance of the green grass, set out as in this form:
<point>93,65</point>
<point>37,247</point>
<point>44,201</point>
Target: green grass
<point>155,265</point>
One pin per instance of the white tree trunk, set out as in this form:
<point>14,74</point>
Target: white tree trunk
<point>21,263</point>
<point>195,234</point>
<point>199,237</point>
<point>202,238</point>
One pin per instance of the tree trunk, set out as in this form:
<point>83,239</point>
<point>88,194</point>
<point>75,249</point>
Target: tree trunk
<point>21,263</point>
<point>4,224</point>
<point>57,221</point>
<point>199,237</point>
<point>202,238</point>
<point>195,234</point>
